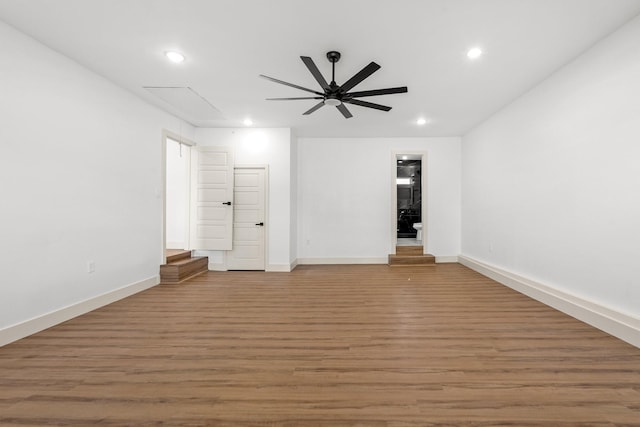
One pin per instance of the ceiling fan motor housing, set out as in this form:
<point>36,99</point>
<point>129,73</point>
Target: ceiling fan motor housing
<point>333,56</point>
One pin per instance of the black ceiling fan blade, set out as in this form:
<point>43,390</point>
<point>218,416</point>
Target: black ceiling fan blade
<point>375,92</point>
<point>290,84</point>
<point>314,70</point>
<point>367,104</point>
<point>314,108</point>
<point>360,76</point>
<point>291,99</point>
<point>345,112</point>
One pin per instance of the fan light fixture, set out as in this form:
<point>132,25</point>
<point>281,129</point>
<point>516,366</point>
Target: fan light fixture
<point>332,102</point>
<point>174,56</point>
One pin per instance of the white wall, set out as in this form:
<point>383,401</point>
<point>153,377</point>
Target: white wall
<point>551,184</point>
<point>80,172</point>
<point>271,147</point>
<point>344,196</point>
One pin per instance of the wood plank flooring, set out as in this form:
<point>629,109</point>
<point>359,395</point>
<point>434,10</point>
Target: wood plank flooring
<point>323,346</point>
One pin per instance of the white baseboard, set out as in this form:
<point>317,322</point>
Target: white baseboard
<point>283,268</point>
<point>620,325</point>
<point>40,323</point>
<point>214,266</point>
<point>446,259</point>
<point>316,261</point>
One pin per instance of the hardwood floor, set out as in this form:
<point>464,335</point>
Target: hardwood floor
<point>323,346</point>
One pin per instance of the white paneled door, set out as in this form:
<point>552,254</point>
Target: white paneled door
<point>248,251</point>
<point>211,198</point>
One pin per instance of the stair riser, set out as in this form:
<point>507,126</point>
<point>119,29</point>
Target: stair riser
<point>407,260</point>
<point>185,271</point>
<point>409,250</point>
<point>412,265</point>
<point>171,273</point>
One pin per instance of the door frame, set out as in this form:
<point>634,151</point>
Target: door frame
<point>267,222</point>
<point>422,155</point>
<point>167,134</point>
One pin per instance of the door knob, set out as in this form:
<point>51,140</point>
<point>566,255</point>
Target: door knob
<point>226,203</point>
<point>261,224</point>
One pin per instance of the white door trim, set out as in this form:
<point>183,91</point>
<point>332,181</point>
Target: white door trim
<point>167,134</point>
<point>394,197</point>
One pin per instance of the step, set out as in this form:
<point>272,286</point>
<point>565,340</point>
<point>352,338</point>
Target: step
<point>412,260</point>
<point>183,269</point>
<point>409,250</point>
<point>176,255</point>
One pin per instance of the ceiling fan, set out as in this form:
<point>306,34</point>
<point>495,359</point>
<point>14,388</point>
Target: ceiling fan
<point>339,95</point>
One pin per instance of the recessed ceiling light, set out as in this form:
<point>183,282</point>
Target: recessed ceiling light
<point>474,53</point>
<point>421,121</point>
<point>248,122</point>
<point>174,56</point>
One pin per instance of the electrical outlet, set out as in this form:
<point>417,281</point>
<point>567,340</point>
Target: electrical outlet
<point>91,266</point>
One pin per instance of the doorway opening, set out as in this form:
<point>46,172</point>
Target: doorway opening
<point>176,165</point>
<point>409,201</point>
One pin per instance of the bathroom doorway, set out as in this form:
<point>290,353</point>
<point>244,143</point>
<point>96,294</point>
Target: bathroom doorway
<point>409,201</point>
<point>408,204</point>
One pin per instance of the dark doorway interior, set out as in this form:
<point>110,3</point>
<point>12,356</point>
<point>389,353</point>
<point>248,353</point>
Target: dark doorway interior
<point>409,187</point>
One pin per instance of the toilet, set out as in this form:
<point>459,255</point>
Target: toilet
<point>418,227</point>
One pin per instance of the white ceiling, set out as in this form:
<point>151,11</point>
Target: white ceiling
<point>421,44</point>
